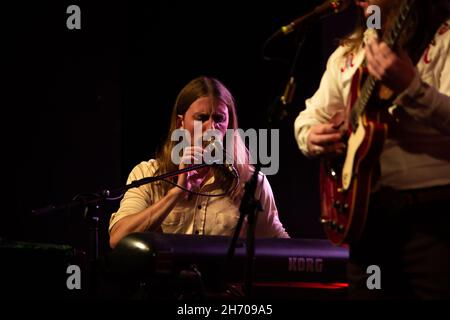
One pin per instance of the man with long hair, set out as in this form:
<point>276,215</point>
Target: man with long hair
<point>407,232</point>
<point>202,202</point>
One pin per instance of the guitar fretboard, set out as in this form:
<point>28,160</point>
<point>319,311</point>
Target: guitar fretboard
<point>391,39</point>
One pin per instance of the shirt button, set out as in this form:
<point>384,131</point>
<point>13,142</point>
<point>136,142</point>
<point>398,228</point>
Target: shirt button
<point>199,206</point>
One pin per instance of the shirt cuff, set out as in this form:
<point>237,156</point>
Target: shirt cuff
<point>412,92</point>
<point>303,144</point>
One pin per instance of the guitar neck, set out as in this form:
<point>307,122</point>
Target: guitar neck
<point>391,39</point>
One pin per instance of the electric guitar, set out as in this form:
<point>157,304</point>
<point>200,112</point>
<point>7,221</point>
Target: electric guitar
<point>345,184</point>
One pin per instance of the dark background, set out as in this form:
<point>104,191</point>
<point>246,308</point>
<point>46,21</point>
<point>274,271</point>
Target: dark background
<point>83,107</point>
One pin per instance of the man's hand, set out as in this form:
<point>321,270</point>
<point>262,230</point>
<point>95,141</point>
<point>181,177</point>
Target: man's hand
<point>325,139</point>
<point>396,71</point>
<point>193,179</point>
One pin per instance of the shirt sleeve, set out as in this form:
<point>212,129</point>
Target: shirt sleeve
<point>431,104</point>
<point>268,224</point>
<point>135,199</point>
<point>323,104</point>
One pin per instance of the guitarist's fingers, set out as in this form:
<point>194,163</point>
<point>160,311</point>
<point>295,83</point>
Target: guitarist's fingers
<point>370,53</point>
<point>385,52</point>
<point>322,138</point>
<point>336,148</point>
<point>325,128</point>
<point>379,52</point>
<point>373,65</point>
<point>373,71</point>
<point>382,62</point>
<point>316,150</point>
<point>396,70</point>
<point>325,139</point>
<point>390,63</point>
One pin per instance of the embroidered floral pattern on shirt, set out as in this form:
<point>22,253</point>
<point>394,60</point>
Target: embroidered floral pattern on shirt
<point>442,30</point>
<point>426,55</point>
<point>348,62</point>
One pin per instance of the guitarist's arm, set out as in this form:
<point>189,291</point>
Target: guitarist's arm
<point>425,103</point>
<point>428,104</point>
<point>313,132</point>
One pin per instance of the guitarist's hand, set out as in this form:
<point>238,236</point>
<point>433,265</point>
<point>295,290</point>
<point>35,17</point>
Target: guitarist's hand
<point>395,70</point>
<point>325,139</point>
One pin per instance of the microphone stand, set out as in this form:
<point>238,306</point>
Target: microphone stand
<point>249,205</point>
<point>94,221</point>
<point>97,198</point>
<point>277,111</point>
<point>248,208</point>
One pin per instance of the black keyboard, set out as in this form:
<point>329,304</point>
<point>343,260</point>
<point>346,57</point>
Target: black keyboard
<point>147,255</point>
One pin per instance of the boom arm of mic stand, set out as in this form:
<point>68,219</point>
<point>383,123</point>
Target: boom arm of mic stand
<point>106,193</point>
<point>138,183</point>
<point>278,111</point>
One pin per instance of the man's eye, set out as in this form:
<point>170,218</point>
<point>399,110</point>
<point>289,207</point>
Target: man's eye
<point>219,118</point>
<point>203,117</point>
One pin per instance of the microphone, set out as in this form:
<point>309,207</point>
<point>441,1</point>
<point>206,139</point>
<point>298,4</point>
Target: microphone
<point>217,145</point>
<point>321,11</point>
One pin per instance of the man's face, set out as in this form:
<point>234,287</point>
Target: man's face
<point>208,114</point>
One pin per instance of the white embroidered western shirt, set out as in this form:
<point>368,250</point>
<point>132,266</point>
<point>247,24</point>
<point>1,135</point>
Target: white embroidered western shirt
<point>417,151</point>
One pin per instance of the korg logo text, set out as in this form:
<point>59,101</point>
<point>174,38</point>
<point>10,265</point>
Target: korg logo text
<point>301,264</point>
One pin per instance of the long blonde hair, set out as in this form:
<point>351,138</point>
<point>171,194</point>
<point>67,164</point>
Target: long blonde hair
<point>197,88</point>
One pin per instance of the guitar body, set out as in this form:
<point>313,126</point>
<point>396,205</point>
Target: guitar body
<point>345,183</point>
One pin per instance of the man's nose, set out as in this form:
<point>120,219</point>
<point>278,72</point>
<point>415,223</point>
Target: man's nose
<point>210,124</point>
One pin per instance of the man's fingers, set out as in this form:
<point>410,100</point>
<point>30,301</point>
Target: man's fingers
<point>373,71</point>
<point>374,66</point>
<point>192,151</point>
<point>192,157</point>
<point>325,128</point>
<point>193,148</point>
<point>386,52</point>
<point>324,139</point>
<point>370,52</point>
<point>336,148</point>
